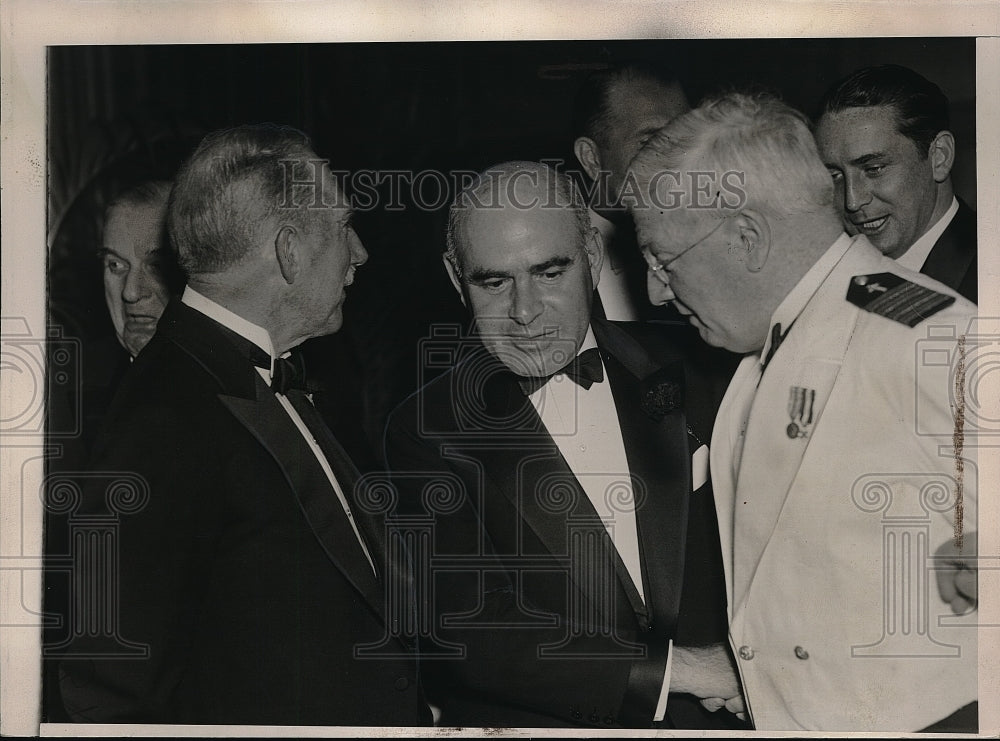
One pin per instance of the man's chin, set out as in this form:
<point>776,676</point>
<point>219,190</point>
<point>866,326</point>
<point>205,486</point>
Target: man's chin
<point>135,341</point>
<point>711,338</point>
<point>533,359</point>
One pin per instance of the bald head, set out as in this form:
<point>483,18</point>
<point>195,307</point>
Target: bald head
<point>525,260</point>
<point>508,190</point>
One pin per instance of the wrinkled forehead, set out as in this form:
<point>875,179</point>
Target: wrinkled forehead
<point>664,232</point>
<point>135,228</point>
<point>515,230</point>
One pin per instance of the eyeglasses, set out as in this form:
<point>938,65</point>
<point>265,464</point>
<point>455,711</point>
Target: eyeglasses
<point>659,269</point>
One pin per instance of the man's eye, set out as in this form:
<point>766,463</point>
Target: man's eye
<point>495,284</point>
<point>115,265</point>
<point>551,275</point>
<point>874,171</point>
<point>836,175</point>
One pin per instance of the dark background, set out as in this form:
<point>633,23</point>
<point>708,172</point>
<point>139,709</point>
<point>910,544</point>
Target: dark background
<point>394,106</point>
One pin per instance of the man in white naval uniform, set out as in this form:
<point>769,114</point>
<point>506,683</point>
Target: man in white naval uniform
<point>832,458</point>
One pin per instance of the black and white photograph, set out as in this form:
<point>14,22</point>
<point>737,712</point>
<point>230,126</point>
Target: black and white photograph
<point>314,420</point>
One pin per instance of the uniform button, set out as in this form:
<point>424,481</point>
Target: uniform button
<point>576,714</point>
<point>746,653</point>
<point>608,720</point>
<point>594,717</point>
<point>801,653</point>
<point>401,684</point>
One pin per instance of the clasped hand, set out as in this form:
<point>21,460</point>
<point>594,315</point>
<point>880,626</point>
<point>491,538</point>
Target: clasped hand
<point>709,674</point>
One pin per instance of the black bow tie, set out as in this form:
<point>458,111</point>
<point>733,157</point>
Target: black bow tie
<point>777,337</point>
<point>288,373</point>
<point>585,369</point>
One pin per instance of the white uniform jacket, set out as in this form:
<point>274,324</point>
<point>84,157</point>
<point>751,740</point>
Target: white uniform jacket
<point>828,539</point>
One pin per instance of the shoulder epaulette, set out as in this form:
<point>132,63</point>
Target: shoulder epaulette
<point>896,298</point>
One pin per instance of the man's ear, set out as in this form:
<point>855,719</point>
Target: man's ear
<point>288,253</point>
<point>455,280</point>
<point>588,155</point>
<point>942,155</point>
<point>594,247</point>
<point>755,235</point>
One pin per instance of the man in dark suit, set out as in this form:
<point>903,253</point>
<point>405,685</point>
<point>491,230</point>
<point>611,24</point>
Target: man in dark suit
<point>883,134</point>
<point>139,275</point>
<point>555,464</point>
<point>615,111</point>
<point>236,578</point>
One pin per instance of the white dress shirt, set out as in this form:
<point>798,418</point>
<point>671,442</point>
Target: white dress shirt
<point>584,425</point>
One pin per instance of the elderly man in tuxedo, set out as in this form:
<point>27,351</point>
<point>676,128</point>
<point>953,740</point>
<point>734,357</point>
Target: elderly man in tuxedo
<point>242,581</point>
<point>834,460</point>
<point>560,460</point>
<point>884,134</point>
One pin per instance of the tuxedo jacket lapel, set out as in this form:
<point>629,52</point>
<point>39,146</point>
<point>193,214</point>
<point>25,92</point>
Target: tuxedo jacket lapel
<point>524,463</point>
<point>656,446</point>
<point>251,401</point>
<point>270,424</point>
<point>657,455</point>
<point>954,253</point>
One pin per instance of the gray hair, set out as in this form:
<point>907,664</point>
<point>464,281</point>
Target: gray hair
<point>234,181</point>
<point>495,187</point>
<point>758,137</point>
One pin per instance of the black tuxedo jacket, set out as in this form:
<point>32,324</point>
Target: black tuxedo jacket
<point>237,569</point>
<point>952,260</point>
<point>533,618</point>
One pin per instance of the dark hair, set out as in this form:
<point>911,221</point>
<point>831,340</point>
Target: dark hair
<point>233,182</point>
<point>146,193</point>
<point>921,108</point>
<point>592,114</point>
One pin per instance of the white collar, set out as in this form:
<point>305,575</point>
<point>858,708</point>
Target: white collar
<point>915,257</point>
<point>243,327</point>
<point>589,341</point>
<point>793,304</point>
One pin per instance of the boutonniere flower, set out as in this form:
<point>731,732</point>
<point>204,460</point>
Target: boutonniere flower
<point>662,393</point>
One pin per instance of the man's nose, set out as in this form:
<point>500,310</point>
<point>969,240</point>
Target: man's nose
<point>658,288</point>
<point>359,255</point>
<point>138,285</point>
<point>525,305</point>
<point>857,193</point>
